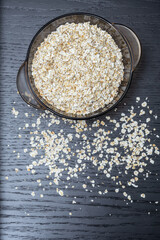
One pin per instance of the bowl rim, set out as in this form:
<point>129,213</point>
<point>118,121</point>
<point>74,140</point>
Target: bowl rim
<point>57,113</point>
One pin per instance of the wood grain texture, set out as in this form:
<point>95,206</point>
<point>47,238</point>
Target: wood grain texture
<point>108,217</point>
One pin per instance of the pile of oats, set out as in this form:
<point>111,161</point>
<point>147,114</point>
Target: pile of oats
<point>78,68</point>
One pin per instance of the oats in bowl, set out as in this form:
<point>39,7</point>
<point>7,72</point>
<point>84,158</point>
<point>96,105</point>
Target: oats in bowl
<point>78,68</point>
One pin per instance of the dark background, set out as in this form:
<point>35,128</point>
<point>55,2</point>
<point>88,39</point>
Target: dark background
<point>108,217</point>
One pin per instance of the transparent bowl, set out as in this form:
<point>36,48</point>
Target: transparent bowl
<point>124,37</point>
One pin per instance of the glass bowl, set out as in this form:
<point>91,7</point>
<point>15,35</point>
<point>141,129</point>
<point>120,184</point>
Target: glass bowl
<point>124,37</point>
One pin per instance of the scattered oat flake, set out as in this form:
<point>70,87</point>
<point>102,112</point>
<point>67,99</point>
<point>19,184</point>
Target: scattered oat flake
<point>144,104</point>
<point>55,181</point>
<point>137,99</point>
<point>151,161</point>
<point>33,194</point>
<point>142,112</point>
<point>125,194</point>
<point>60,193</point>
<point>143,195</point>
<point>33,171</point>
<point>14,112</point>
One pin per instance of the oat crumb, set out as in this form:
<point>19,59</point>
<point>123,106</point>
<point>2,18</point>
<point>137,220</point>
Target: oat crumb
<point>143,195</point>
<point>33,194</point>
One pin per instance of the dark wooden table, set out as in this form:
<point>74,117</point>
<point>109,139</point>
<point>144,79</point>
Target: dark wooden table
<point>108,217</point>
